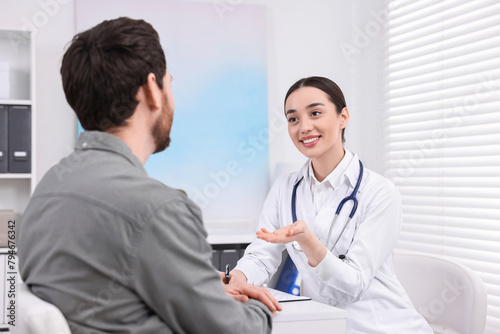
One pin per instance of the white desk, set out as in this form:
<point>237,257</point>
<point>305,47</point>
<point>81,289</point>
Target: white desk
<point>308,316</point>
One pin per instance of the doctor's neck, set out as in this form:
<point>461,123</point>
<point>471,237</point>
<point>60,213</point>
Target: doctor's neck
<point>325,164</point>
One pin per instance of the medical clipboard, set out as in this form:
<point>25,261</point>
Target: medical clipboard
<point>284,297</point>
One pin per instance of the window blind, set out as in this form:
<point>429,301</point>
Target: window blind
<point>442,131</point>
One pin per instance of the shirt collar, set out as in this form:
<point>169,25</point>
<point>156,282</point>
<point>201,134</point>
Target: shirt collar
<point>335,177</point>
<point>352,171</point>
<point>97,140</point>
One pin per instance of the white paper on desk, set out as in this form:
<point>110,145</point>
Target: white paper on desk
<point>286,297</point>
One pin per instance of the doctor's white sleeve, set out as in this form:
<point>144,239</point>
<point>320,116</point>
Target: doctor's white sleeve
<point>262,259</point>
<point>372,245</point>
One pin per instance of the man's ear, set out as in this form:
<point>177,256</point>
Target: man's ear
<point>152,92</point>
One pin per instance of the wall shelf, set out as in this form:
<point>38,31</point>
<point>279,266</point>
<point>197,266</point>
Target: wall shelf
<point>15,176</point>
<point>16,102</point>
<point>17,48</point>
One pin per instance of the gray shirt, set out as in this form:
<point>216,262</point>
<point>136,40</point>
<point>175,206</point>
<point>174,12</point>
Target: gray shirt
<point>117,251</point>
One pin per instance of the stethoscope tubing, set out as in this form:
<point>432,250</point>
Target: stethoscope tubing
<point>351,197</point>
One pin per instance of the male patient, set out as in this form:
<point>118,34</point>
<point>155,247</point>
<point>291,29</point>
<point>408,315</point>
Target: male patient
<point>116,251</point>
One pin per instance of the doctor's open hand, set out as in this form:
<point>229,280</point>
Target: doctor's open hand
<point>312,247</point>
<point>298,231</point>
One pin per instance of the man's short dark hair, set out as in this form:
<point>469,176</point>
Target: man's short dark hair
<point>104,67</point>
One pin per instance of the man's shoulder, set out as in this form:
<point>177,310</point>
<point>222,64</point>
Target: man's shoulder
<point>116,184</point>
<point>154,191</point>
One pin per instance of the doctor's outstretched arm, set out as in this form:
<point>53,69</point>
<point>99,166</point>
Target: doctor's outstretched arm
<point>312,247</point>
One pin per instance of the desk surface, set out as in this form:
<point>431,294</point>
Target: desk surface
<point>308,310</point>
<point>308,316</point>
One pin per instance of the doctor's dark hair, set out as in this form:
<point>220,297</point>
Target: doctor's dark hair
<point>105,66</point>
<point>326,85</point>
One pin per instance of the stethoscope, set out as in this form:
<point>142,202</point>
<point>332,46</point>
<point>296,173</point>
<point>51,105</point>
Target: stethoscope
<point>351,197</point>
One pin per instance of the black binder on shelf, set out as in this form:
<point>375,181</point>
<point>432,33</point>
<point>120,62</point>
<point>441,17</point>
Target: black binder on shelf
<point>19,139</point>
<point>4,156</point>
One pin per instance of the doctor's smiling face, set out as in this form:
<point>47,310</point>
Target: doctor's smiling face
<point>315,123</point>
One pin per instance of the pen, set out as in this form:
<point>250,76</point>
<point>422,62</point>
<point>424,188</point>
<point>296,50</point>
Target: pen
<point>227,273</point>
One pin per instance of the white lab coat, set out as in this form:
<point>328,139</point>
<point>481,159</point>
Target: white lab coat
<point>364,283</point>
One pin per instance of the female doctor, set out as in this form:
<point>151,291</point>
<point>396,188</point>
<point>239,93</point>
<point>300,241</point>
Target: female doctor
<point>342,261</point>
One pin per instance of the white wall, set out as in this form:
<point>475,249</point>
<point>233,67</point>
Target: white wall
<point>337,39</point>
<point>369,22</point>
<point>304,39</point>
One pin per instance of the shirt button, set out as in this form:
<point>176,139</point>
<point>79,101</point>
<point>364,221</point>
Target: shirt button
<point>84,144</point>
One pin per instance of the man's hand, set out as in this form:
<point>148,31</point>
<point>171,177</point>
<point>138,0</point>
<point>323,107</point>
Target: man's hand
<point>243,291</point>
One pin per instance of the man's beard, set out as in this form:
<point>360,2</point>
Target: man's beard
<point>161,129</point>
<point>160,136</point>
